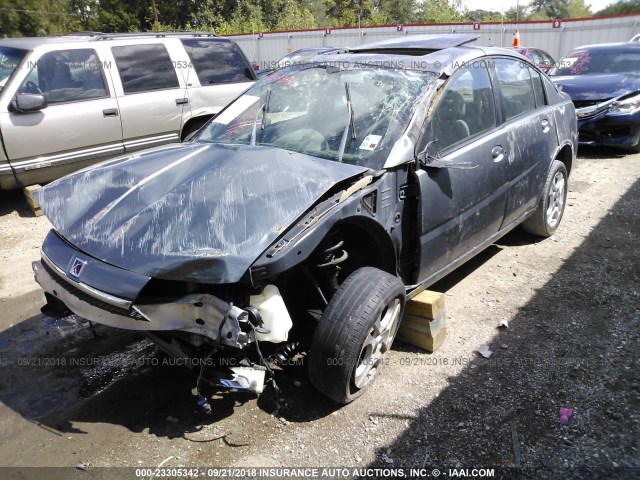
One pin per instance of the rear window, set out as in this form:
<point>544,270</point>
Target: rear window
<point>516,88</point>
<point>217,61</point>
<point>10,58</point>
<point>537,87</point>
<point>597,61</point>
<point>145,67</point>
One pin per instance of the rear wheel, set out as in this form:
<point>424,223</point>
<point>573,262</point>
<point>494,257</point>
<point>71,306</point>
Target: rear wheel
<point>354,333</point>
<point>546,219</point>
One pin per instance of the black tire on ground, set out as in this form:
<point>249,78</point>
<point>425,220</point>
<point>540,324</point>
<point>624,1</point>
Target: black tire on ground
<point>546,219</point>
<point>635,148</point>
<point>354,332</point>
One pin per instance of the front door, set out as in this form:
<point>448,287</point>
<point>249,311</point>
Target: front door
<point>80,123</point>
<point>463,198</point>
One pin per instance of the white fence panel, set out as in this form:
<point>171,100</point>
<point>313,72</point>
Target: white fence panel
<point>266,48</point>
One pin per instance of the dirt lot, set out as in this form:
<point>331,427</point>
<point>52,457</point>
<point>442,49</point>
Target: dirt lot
<point>572,304</point>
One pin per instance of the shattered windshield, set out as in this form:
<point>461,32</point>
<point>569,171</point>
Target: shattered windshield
<point>350,115</point>
<point>10,58</point>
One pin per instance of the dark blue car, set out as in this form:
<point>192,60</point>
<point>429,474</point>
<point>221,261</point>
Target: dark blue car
<point>604,83</point>
<point>304,215</point>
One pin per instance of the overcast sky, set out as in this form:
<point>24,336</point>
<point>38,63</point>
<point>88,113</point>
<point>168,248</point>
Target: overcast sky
<point>496,5</point>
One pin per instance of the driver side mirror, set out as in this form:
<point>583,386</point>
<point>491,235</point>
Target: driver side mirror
<point>28,102</point>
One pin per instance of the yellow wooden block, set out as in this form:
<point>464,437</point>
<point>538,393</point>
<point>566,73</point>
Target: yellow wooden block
<point>424,321</point>
<point>427,304</point>
<point>33,204</point>
<point>422,338</point>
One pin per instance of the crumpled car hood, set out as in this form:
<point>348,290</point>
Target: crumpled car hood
<point>598,87</point>
<point>193,212</point>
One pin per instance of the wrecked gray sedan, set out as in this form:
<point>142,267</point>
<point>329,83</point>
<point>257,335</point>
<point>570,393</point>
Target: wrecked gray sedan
<point>308,211</point>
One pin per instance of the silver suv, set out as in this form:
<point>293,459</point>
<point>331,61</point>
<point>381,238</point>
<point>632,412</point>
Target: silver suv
<point>67,102</point>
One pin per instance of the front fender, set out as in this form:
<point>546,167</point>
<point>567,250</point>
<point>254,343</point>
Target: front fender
<point>376,220</point>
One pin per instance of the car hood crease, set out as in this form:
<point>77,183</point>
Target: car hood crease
<point>198,212</point>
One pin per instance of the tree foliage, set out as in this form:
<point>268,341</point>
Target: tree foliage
<point>50,17</point>
<point>621,7</point>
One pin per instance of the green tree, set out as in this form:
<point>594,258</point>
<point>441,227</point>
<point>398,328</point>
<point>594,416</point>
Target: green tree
<point>483,16</point>
<point>397,11</point>
<point>115,16</point>
<point>295,17</point>
<point>348,13</point>
<point>560,8</point>
<point>551,8</point>
<point>440,11</point>
<point>36,17</point>
<point>578,9</point>
<point>621,7</point>
<point>514,14</point>
<point>247,18</point>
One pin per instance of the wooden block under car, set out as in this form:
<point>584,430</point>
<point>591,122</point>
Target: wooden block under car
<point>424,321</point>
<point>33,204</point>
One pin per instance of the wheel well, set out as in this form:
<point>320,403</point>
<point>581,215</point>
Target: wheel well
<point>565,155</point>
<point>193,124</point>
<point>367,244</point>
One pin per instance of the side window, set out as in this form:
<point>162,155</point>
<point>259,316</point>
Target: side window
<point>145,67</point>
<point>217,61</point>
<point>546,58</point>
<point>537,88</point>
<point>516,87</point>
<point>537,57</point>
<point>66,76</point>
<point>465,109</point>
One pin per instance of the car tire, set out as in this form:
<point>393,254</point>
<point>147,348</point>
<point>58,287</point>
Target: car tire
<point>635,148</point>
<point>355,331</point>
<point>546,219</point>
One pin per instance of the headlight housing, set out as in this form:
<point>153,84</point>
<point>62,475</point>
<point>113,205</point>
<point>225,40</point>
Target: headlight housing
<point>626,105</point>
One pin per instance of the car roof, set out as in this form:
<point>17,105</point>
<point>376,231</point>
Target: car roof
<point>441,54</point>
<point>29,43</point>
<point>604,47</point>
<point>315,49</point>
<point>420,42</point>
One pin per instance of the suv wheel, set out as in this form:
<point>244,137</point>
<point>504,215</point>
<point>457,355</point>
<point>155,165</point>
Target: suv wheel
<point>355,331</point>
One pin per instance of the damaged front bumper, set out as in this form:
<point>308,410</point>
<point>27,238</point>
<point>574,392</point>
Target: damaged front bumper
<point>597,126</point>
<point>198,313</point>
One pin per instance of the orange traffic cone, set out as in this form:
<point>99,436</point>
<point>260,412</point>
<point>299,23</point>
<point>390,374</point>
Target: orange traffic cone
<point>516,40</point>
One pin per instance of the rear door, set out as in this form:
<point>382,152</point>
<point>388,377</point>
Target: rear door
<point>532,138</point>
<point>151,95</point>
<point>463,207</point>
<point>79,124</point>
<point>220,73</point>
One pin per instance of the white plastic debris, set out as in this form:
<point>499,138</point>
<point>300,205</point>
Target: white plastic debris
<point>485,351</point>
<point>503,324</point>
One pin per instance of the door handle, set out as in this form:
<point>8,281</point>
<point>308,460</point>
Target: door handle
<point>545,125</point>
<point>497,153</point>
<point>110,112</point>
<point>181,101</point>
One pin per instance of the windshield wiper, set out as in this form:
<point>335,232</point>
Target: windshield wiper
<point>350,124</point>
<point>263,109</point>
<point>264,114</point>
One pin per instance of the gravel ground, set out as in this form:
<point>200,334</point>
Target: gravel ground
<point>571,302</point>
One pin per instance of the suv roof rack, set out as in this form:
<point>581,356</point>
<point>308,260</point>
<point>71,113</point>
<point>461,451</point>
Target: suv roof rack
<point>418,42</point>
<point>108,36</point>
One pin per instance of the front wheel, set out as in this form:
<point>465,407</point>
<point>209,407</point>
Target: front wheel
<point>355,331</point>
<point>546,219</point>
